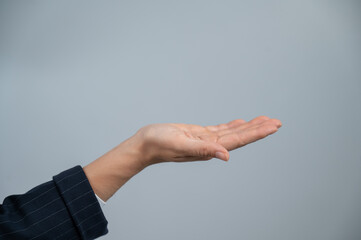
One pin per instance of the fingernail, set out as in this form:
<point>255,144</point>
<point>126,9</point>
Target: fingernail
<point>221,156</point>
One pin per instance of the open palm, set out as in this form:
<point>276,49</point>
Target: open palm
<point>187,142</point>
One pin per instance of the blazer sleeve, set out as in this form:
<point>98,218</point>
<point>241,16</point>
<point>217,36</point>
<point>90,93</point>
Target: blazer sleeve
<point>64,208</point>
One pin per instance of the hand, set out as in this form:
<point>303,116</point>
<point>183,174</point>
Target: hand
<point>174,142</point>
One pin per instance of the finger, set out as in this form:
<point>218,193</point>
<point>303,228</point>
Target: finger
<point>236,123</point>
<point>192,159</point>
<point>242,138</point>
<point>205,149</point>
<point>266,124</point>
<point>253,122</point>
<point>231,124</point>
<point>275,122</point>
<point>259,119</point>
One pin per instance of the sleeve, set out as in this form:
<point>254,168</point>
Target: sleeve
<point>64,208</point>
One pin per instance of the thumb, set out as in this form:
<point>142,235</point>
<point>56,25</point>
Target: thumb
<point>204,149</point>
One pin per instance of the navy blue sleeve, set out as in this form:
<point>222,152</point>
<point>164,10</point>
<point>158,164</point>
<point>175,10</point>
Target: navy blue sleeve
<point>64,208</point>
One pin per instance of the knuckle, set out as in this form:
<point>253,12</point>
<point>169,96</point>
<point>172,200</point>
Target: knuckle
<point>239,121</point>
<point>204,151</point>
<point>241,141</point>
<point>263,117</point>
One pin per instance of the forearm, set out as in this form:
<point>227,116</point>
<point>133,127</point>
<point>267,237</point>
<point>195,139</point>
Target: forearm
<point>112,170</point>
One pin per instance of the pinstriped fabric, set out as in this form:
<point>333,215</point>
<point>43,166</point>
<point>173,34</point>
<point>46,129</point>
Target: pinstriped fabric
<point>65,208</point>
<point>81,202</point>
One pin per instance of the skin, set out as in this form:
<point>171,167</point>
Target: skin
<point>172,142</point>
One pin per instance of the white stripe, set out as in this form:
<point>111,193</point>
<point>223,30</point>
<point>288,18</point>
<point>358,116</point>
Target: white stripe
<point>74,186</point>
<point>29,199</point>
<point>88,218</point>
<point>48,216</point>
<point>51,229</point>
<point>31,224</point>
<point>41,220</point>
<point>76,225</point>
<point>43,192</point>
<point>93,226</point>
<point>68,176</point>
<point>31,212</point>
<point>79,197</point>
<point>84,208</point>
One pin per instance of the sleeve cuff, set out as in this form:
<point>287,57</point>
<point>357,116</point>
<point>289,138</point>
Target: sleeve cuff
<point>81,202</point>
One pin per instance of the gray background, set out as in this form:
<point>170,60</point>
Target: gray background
<point>79,77</point>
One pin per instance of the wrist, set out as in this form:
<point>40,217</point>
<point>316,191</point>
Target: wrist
<point>112,170</point>
<point>129,156</point>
